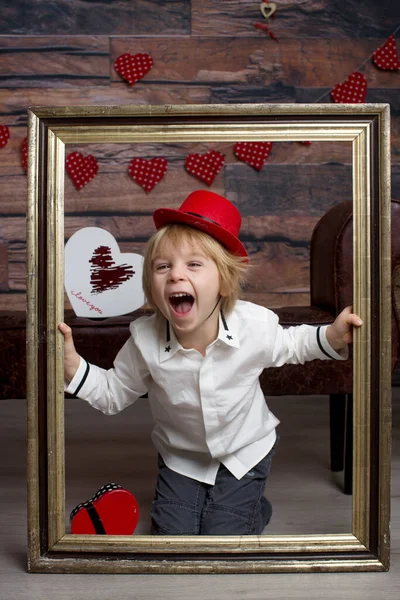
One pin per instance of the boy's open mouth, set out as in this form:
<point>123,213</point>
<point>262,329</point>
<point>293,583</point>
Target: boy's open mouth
<point>181,303</point>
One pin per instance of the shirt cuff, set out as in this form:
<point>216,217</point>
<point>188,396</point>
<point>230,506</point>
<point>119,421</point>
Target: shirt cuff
<point>78,379</point>
<point>327,349</point>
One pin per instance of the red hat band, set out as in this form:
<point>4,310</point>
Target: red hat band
<point>208,212</point>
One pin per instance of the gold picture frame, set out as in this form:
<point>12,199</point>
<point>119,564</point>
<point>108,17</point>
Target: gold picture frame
<point>366,547</point>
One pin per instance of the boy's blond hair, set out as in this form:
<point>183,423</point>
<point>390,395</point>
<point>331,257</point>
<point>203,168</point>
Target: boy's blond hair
<point>231,268</point>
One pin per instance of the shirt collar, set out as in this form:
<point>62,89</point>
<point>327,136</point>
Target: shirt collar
<point>228,330</point>
<point>169,345</point>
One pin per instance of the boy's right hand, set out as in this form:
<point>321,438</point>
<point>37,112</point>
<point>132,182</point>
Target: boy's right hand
<point>71,357</point>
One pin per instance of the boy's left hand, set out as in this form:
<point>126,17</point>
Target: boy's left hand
<point>340,333</point>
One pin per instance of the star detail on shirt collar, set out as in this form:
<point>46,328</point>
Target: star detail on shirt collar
<point>229,337</point>
<point>167,348</point>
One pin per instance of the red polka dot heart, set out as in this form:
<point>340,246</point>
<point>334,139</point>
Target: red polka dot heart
<point>148,172</point>
<point>4,135</point>
<point>81,168</point>
<point>386,57</point>
<point>351,91</point>
<point>253,153</point>
<point>133,67</point>
<point>205,166</point>
<point>24,153</point>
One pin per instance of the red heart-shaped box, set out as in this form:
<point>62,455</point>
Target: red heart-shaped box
<point>113,510</point>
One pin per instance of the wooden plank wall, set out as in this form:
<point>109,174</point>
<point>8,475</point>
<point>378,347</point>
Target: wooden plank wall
<point>62,52</point>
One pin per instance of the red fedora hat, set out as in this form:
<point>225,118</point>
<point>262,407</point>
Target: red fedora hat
<point>209,212</point>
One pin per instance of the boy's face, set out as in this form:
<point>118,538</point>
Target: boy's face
<point>185,285</point>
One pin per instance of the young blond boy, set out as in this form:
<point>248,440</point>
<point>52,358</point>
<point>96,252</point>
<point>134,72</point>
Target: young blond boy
<point>199,358</point>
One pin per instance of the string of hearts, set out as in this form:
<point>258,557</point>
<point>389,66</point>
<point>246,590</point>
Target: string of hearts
<point>354,88</point>
<point>149,172</point>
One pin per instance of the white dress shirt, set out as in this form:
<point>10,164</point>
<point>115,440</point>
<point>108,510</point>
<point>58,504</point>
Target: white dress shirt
<point>207,409</point>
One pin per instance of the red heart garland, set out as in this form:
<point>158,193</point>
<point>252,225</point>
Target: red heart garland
<point>24,153</point>
<point>253,153</point>
<point>148,172</point>
<point>205,166</point>
<point>386,57</point>
<point>352,91</point>
<point>113,510</point>
<point>133,67</point>
<point>4,135</point>
<point>81,168</point>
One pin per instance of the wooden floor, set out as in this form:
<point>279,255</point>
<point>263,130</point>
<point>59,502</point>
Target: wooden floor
<point>306,497</point>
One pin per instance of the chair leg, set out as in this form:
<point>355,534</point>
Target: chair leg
<point>337,415</point>
<point>348,446</point>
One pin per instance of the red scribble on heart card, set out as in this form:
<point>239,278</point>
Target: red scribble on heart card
<point>105,275</point>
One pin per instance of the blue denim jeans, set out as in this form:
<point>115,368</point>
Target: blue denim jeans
<point>184,506</point>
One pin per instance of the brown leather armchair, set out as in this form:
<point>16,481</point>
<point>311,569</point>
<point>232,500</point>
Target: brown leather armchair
<point>331,283</point>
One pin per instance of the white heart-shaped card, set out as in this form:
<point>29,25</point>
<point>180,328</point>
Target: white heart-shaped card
<point>100,281</point>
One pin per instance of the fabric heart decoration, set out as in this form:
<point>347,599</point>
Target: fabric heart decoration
<point>81,168</point>
<point>352,91</point>
<point>148,172</point>
<point>100,281</point>
<point>133,67</point>
<point>205,166</point>
<point>253,153</point>
<point>24,153</point>
<point>386,57</point>
<point>113,510</point>
<point>4,135</point>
